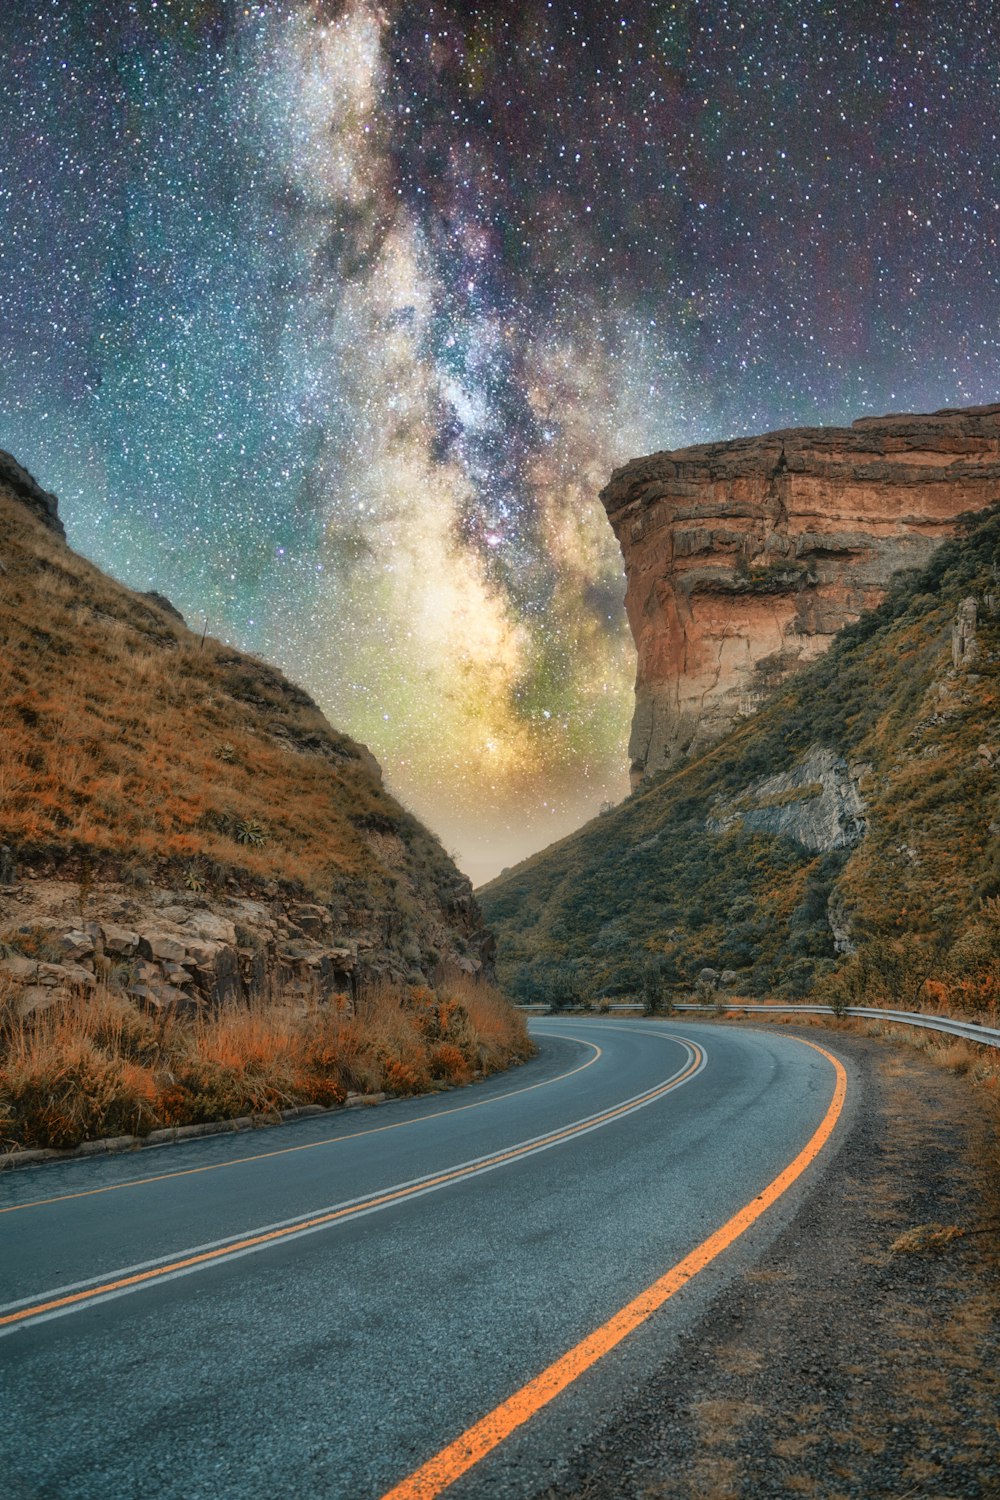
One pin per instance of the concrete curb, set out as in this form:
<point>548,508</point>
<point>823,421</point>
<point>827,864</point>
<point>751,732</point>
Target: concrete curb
<point>114,1145</point>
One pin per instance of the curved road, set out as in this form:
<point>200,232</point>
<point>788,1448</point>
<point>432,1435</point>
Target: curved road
<point>318,1310</point>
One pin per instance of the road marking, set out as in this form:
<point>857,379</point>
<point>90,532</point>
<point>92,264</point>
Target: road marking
<point>331,1140</point>
<point>62,1300</point>
<point>441,1471</point>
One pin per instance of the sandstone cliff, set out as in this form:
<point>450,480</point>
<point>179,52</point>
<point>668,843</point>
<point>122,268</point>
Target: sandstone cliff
<point>743,559</point>
<point>845,839</point>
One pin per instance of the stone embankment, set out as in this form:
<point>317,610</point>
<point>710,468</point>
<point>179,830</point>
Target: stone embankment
<point>745,558</point>
<point>170,951</point>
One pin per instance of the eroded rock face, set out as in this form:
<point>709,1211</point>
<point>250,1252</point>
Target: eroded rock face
<point>22,484</point>
<point>744,559</point>
<point>818,803</point>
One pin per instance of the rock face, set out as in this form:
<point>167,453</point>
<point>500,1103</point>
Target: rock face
<point>744,559</point>
<point>178,951</point>
<point>818,803</point>
<point>15,478</point>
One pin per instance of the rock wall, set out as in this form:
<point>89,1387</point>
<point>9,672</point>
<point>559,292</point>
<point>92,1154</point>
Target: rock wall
<point>171,949</point>
<point>743,559</point>
<point>19,482</point>
<point>818,803</point>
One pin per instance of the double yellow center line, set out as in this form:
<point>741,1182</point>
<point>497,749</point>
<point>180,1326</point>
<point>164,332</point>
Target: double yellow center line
<point>69,1299</point>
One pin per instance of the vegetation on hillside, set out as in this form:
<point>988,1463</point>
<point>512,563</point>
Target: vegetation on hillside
<point>919,896</point>
<point>98,1066</point>
<point>133,749</point>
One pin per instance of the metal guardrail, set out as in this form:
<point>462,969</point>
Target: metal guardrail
<point>970,1031</point>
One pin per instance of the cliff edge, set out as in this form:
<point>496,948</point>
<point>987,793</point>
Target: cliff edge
<point>743,559</point>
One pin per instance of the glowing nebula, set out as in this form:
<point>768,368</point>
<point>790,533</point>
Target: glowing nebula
<point>329,319</point>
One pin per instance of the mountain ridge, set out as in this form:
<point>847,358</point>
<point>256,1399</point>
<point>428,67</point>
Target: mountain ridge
<point>723,863</point>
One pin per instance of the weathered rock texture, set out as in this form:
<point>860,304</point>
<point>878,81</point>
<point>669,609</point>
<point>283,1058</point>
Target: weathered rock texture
<point>818,804</point>
<point>19,482</point>
<point>175,950</point>
<point>745,558</point>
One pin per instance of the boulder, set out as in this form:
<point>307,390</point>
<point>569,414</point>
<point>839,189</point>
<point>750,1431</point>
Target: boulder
<point>162,947</point>
<point>202,953</point>
<point>65,977</point>
<point>309,919</point>
<point>158,995</point>
<point>162,602</point>
<point>24,970</point>
<point>77,945</point>
<point>177,916</point>
<point>213,928</point>
<point>119,942</point>
<point>298,951</point>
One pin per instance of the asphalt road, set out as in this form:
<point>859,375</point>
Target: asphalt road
<point>316,1310</point>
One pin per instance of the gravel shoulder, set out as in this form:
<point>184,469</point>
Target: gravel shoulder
<point>861,1356</point>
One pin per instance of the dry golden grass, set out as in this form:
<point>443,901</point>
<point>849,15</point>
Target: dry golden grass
<point>125,737</point>
<point>926,1239</point>
<point>96,1066</point>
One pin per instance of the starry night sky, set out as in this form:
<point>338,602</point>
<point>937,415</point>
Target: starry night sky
<point>329,320</point>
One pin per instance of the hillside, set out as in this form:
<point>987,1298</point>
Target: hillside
<point>154,780</point>
<point>846,837</point>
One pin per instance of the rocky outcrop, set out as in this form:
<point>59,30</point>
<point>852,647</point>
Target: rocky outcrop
<point>19,482</point>
<point>963,635</point>
<point>173,951</point>
<point>744,558</point>
<point>818,804</point>
<point>179,819</point>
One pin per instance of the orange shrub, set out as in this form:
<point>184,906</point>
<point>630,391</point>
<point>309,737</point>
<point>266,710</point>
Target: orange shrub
<point>449,1064</point>
<point>96,1065</point>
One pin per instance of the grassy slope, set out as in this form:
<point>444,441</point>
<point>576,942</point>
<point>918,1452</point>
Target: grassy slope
<point>128,743</point>
<point>921,889</point>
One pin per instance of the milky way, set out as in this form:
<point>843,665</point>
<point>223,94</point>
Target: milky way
<point>330,321</point>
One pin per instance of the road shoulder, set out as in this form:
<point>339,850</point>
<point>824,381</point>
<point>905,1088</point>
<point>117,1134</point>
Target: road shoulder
<point>839,1365</point>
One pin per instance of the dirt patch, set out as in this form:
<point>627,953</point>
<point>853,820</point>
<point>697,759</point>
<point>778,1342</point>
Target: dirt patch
<point>862,1359</point>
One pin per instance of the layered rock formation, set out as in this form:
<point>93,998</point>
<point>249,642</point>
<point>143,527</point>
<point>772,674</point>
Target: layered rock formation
<point>744,558</point>
<point>817,804</point>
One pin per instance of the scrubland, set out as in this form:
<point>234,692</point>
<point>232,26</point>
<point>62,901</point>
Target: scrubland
<point>96,1065</point>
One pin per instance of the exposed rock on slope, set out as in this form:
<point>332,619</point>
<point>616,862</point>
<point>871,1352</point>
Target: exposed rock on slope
<point>179,817</point>
<point>17,481</point>
<point>818,804</point>
<point>745,558</point>
<point>847,835</point>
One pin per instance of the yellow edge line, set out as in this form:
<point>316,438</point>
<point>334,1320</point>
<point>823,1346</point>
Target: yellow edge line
<point>331,1140</point>
<point>253,1241</point>
<point>441,1471</point>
